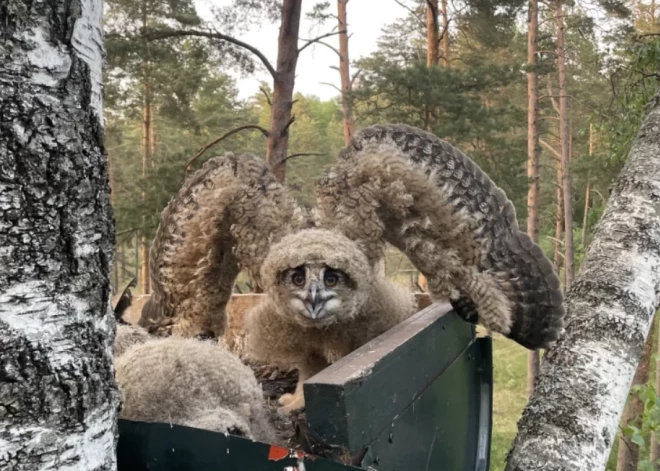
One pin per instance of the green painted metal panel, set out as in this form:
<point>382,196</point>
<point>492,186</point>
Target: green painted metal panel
<point>163,447</point>
<point>351,402</point>
<point>447,427</point>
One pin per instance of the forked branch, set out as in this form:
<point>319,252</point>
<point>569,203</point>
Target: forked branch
<point>207,146</point>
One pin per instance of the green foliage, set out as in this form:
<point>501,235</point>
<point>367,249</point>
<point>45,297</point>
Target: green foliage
<point>647,423</point>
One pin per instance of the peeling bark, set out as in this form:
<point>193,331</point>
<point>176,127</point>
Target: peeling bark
<point>58,398</point>
<point>571,420</point>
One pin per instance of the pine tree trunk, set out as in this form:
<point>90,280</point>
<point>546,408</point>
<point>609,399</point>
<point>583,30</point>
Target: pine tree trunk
<point>111,178</point>
<point>585,220</point>
<point>122,261</point>
<point>287,59</point>
<point>345,72</point>
<point>628,452</point>
<point>58,397</point>
<point>559,218</point>
<point>146,162</point>
<point>432,33</point>
<point>445,33</point>
<point>533,358</point>
<point>572,417</point>
<point>146,150</point>
<point>587,193</point>
<point>432,58</point>
<point>564,138</point>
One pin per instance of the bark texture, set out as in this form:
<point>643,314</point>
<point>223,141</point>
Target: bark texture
<point>285,78</point>
<point>432,33</point>
<point>345,72</point>
<point>445,34</point>
<point>571,420</point>
<point>58,399</point>
<point>533,359</point>
<point>147,150</point>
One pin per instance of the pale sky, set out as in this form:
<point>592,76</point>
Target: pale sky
<point>365,20</point>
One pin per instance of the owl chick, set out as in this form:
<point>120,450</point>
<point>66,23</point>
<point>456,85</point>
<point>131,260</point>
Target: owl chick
<point>326,293</point>
<point>188,382</point>
<point>324,301</point>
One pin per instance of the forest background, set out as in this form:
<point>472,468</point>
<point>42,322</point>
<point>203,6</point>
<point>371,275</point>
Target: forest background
<point>548,108</point>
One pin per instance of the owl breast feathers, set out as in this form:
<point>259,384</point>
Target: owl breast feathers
<point>326,292</point>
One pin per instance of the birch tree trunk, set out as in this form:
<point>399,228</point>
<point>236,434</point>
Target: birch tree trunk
<point>58,398</point>
<point>285,78</point>
<point>571,420</point>
<point>345,72</point>
<point>533,358</point>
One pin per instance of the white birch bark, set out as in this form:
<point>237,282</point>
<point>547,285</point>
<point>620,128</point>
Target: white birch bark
<point>571,419</point>
<point>58,398</point>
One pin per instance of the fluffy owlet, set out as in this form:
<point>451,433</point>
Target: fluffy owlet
<point>322,273</point>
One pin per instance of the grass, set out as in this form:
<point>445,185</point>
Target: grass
<point>509,396</point>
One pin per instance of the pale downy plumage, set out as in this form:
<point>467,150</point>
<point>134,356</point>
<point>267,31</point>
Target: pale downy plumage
<point>326,290</point>
<point>188,382</point>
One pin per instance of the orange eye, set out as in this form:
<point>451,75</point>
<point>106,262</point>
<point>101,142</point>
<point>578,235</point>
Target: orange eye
<point>330,279</point>
<point>298,278</point>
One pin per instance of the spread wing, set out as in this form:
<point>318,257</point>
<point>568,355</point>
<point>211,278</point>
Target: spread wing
<point>402,185</point>
<point>223,219</point>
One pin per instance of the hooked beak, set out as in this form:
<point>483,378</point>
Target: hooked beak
<point>316,303</point>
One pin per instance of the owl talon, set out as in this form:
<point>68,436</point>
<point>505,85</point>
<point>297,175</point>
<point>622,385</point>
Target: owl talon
<point>291,402</point>
<point>285,399</point>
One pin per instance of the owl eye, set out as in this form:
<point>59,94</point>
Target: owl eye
<point>330,279</point>
<point>298,278</point>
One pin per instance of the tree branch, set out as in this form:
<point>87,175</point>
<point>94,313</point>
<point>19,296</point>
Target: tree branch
<point>550,148</point>
<point>286,127</point>
<point>411,11</point>
<point>334,49</point>
<point>270,103</point>
<point>164,34</point>
<point>331,85</point>
<point>355,76</point>
<point>316,40</point>
<point>301,154</point>
<point>551,94</point>
<point>206,147</point>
